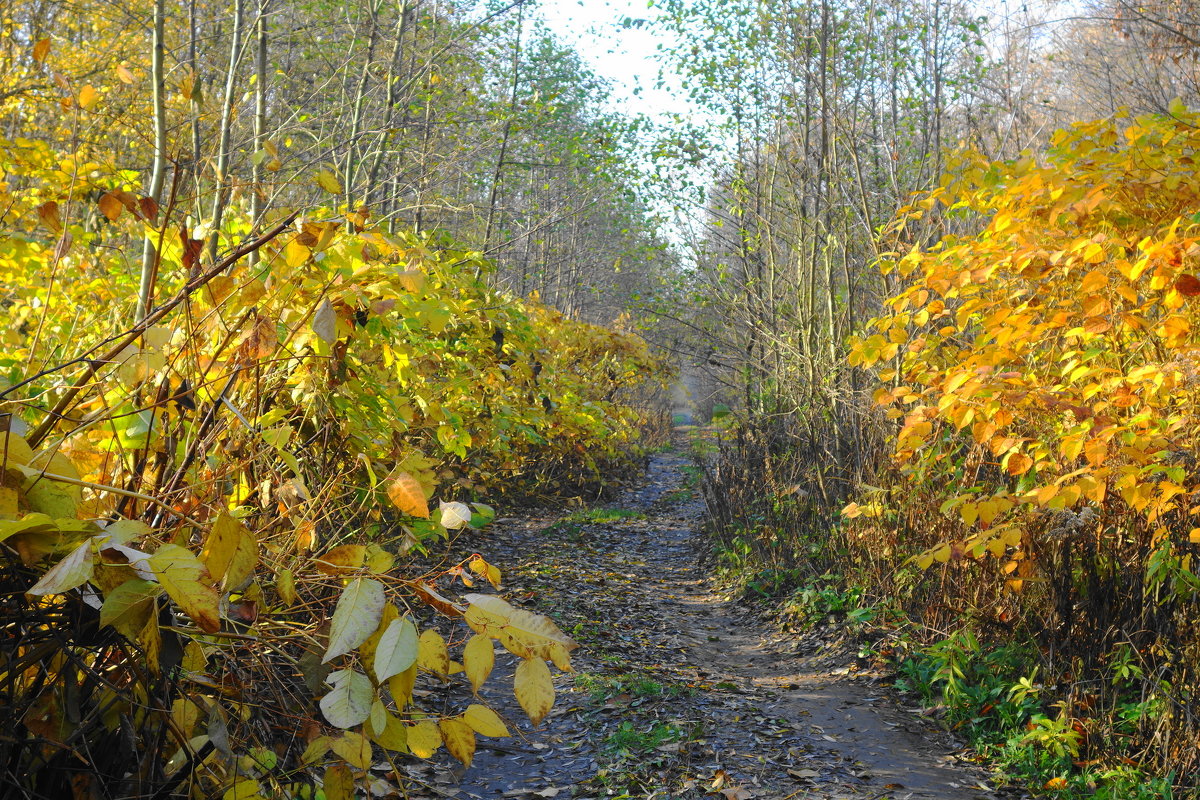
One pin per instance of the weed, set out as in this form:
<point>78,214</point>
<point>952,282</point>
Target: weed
<point>602,687</point>
<point>629,738</point>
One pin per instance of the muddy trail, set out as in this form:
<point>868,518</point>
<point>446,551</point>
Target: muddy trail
<point>679,692</point>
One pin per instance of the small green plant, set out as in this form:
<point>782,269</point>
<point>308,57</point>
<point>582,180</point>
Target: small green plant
<point>1056,735</point>
<point>629,738</point>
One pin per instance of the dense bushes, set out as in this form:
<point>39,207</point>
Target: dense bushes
<point>209,522</point>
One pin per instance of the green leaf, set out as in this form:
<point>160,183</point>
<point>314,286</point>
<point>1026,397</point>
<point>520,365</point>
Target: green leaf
<point>350,701</point>
<point>397,650</point>
<point>128,607</point>
<point>356,616</point>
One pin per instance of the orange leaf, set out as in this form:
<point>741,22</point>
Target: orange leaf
<point>110,206</point>
<point>41,50</point>
<point>406,492</point>
<point>1018,464</point>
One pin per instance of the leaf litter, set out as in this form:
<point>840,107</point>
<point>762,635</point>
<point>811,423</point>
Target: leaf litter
<point>679,692</point>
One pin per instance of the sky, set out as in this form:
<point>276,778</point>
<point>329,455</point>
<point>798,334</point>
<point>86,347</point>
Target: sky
<point>624,56</point>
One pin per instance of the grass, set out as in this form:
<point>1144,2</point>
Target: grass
<point>603,687</point>
<point>628,738</point>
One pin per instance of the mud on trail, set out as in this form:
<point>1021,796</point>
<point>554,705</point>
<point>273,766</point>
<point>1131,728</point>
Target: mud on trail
<point>679,693</point>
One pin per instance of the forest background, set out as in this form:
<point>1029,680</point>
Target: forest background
<point>295,289</point>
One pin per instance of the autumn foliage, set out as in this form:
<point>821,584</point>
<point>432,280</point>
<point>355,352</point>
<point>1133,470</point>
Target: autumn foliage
<point>1043,375</point>
<point>221,525</point>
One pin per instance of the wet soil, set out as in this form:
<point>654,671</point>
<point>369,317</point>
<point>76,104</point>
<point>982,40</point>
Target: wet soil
<point>680,692</point>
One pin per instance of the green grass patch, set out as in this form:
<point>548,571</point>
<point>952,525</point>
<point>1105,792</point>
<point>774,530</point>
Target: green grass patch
<point>630,738</point>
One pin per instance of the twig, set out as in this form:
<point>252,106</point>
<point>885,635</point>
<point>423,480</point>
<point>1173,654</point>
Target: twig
<point>68,400</point>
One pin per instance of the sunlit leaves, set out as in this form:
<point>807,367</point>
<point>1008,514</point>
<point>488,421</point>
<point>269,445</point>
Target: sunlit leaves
<point>478,660</point>
<point>432,653</point>
<point>1062,338</point>
<point>230,552</point>
<point>459,739</point>
<point>520,631</point>
<point>188,584</point>
<point>328,181</point>
<point>424,738</point>
<point>408,495</point>
<point>534,688</point>
<point>41,49</point>
<point>73,570</point>
<point>484,721</point>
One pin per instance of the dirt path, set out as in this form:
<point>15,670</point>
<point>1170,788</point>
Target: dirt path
<point>679,693</point>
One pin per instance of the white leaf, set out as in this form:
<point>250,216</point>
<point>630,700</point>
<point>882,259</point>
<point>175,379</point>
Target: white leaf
<point>455,515</point>
<point>324,322</point>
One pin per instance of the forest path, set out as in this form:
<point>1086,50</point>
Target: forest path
<point>679,693</point>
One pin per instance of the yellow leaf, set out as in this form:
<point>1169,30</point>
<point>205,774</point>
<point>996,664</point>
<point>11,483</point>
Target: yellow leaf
<point>347,558</point>
<point>124,75</point>
<point>459,739</point>
<point>41,50</point>
<point>72,571</point>
<point>230,552</point>
<point>432,654</point>
<point>285,585</point>
<point>338,783</point>
<point>424,738</point>
<point>485,722</point>
<point>534,689</point>
<point>392,736</point>
<point>328,181</point>
<point>401,686</point>
<point>88,96</point>
<point>942,553</point>
<point>354,749</point>
<point>408,495</point>
<point>14,450</point>
<point>242,789</point>
<point>378,560</point>
<point>561,658</point>
<point>522,632</point>
<point>478,659</point>
<point>412,280</point>
<point>188,584</point>
<point>295,254</point>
